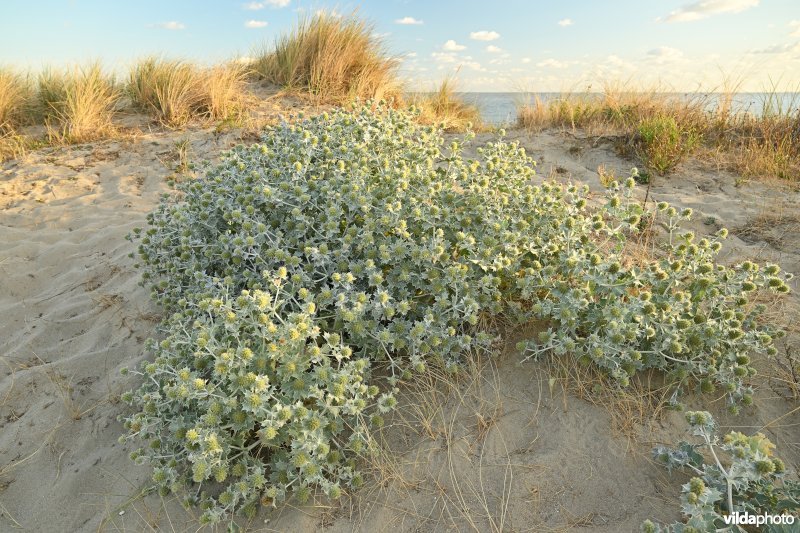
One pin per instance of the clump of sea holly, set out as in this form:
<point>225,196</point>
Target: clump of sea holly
<point>356,238</point>
<point>743,479</point>
<point>680,312</point>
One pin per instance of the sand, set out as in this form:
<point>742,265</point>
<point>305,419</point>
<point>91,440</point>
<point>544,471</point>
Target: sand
<point>506,447</point>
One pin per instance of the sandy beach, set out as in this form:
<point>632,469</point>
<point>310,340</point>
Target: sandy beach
<point>506,447</point>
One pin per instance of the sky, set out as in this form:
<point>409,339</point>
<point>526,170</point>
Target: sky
<point>490,45</point>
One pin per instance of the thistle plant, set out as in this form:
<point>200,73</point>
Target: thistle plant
<point>681,313</point>
<point>743,476</point>
<point>355,238</point>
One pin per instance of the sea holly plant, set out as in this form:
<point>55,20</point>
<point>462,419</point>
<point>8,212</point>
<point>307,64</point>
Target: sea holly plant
<point>741,483</point>
<point>356,238</point>
<point>681,312</point>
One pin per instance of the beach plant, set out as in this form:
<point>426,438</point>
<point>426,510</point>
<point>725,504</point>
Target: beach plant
<point>663,142</point>
<point>78,103</point>
<point>742,482</point>
<point>333,57</point>
<point>447,109</point>
<point>169,89</point>
<point>15,96</point>
<point>357,238</point>
<point>755,142</point>
<point>177,91</point>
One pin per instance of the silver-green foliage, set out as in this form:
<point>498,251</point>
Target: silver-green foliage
<point>742,476</point>
<point>355,237</point>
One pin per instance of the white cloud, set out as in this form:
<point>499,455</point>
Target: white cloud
<point>474,65</point>
<point>526,59</point>
<point>452,46</point>
<point>552,63</point>
<point>411,54</point>
<point>665,54</point>
<point>492,49</point>
<point>706,8</point>
<point>795,24</point>
<point>255,6</point>
<point>443,57</point>
<point>255,24</point>
<point>615,61</point>
<point>778,49</point>
<point>408,21</point>
<point>565,22</point>
<point>484,35</point>
<point>171,25</point>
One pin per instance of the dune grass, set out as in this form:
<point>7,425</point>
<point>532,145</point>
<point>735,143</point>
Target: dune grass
<point>223,88</point>
<point>176,91</point>
<point>167,89</point>
<point>663,128</point>
<point>445,108</point>
<point>335,58</point>
<point>15,97</point>
<point>77,103</point>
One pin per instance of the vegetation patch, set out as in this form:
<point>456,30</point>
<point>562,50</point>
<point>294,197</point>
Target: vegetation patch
<point>15,97</point>
<point>78,103</point>
<point>355,239</point>
<point>666,127</point>
<point>445,108</point>
<point>662,143</point>
<point>335,58</point>
<point>743,480</point>
<point>176,91</point>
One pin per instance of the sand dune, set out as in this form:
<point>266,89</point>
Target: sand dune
<point>504,449</point>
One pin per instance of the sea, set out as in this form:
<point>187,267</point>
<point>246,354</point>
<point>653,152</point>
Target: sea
<point>501,108</point>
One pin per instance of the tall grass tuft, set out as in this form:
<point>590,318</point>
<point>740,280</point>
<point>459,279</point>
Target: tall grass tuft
<point>168,89</point>
<point>77,103</point>
<point>445,108</point>
<point>15,97</point>
<point>334,58</point>
<point>223,88</point>
<point>176,91</point>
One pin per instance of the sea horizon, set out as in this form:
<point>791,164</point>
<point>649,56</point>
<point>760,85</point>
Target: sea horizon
<point>500,107</point>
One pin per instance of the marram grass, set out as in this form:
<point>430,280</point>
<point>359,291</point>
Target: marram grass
<point>176,92</point>
<point>447,109</point>
<point>77,103</point>
<point>15,98</point>
<point>754,145</point>
<point>335,58</point>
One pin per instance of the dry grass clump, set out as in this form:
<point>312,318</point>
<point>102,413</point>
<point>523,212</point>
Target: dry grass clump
<point>77,103</point>
<point>168,89</point>
<point>663,128</point>
<point>446,108</point>
<point>176,91</point>
<point>15,97</point>
<point>335,58</point>
<point>223,91</point>
<point>767,144</point>
<point>617,109</point>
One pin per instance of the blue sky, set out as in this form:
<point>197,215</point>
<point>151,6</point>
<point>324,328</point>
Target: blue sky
<point>494,45</point>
